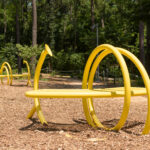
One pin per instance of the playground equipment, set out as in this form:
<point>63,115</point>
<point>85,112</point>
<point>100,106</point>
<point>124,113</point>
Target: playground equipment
<point>87,93</point>
<point>16,75</point>
<point>1,74</point>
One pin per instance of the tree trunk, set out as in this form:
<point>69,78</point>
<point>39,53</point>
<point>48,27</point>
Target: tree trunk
<point>18,37</point>
<point>141,42</point>
<point>34,33</point>
<point>92,14</point>
<point>102,22</point>
<point>5,24</point>
<point>75,26</point>
<point>34,23</point>
<point>148,48</point>
<point>5,19</point>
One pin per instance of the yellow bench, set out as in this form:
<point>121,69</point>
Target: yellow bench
<point>84,93</point>
<point>15,75</point>
<point>87,92</point>
<point>3,76</point>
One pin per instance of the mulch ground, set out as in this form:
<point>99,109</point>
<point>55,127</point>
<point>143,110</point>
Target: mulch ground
<point>67,128</point>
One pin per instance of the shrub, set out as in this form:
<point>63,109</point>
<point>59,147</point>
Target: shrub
<point>9,54</point>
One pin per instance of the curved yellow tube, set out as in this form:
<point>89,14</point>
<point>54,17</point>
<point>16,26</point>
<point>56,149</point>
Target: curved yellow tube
<point>10,70</point>
<point>146,80</point>
<point>107,49</point>
<point>1,72</point>
<point>29,74</point>
<point>18,75</point>
<point>36,85</point>
<point>87,83</point>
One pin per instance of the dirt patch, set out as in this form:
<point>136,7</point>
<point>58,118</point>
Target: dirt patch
<point>67,128</point>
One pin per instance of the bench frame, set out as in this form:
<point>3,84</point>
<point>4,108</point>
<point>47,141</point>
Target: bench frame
<point>28,74</point>
<point>87,83</point>
<point>3,76</point>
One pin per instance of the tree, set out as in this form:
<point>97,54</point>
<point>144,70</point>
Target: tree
<point>17,4</point>
<point>34,33</point>
<point>144,14</point>
<point>92,14</point>
<point>5,18</point>
<point>141,42</point>
<point>66,25</point>
<point>148,47</point>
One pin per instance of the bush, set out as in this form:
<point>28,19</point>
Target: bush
<point>69,61</point>
<point>9,54</point>
<point>62,61</point>
<point>26,52</point>
<point>77,61</point>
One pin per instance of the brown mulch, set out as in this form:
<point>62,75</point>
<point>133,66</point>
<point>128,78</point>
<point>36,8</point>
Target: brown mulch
<point>67,128</point>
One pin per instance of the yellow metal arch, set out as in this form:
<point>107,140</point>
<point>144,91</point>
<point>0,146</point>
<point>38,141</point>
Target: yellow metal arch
<point>7,74</point>
<point>29,74</point>
<point>87,92</point>
<point>18,75</point>
<point>107,49</point>
<point>37,106</point>
<point>146,80</point>
<point>10,70</point>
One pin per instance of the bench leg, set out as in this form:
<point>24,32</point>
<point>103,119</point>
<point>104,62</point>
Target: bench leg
<point>29,83</point>
<point>87,112</point>
<point>147,125</point>
<point>37,108</point>
<point>31,113</point>
<point>39,111</point>
<point>93,115</point>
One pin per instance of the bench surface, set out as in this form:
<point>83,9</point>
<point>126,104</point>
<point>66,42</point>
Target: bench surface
<point>20,75</point>
<point>84,93</point>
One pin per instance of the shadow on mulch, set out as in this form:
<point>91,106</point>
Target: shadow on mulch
<point>19,85</point>
<point>127,126</point>
<point>59,86</point>
<point>79,126</point>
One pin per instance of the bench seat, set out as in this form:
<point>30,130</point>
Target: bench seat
<point>84,93</point>
<point>20,75</point>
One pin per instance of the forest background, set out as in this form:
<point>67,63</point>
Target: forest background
<point>72,29</point>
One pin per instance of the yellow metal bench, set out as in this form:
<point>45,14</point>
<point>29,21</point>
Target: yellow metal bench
<point>3,76</point>
<point>11,75</point>
<point>87,93</point>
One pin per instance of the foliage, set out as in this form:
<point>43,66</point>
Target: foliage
<point>65,25</point>
<point>26,52</point>
<point>62,63</point>
<point>74,61</point>
<point>77,61</point>
<point>8,54</point>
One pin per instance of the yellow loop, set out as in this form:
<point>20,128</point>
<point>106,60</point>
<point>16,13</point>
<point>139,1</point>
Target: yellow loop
<point>146,80</point>
<point>36,85</point>
<point>87,85</point>
<point>29,74</point>
<point>110,49</point>
<point>10,70</point>
<point>2,68</point>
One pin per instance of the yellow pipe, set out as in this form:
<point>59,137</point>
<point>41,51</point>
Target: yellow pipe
<point>18,75</point>
<point>36,85</point>
<point>146,80</point>
<point>29,74</point>
<point>1,72</point>
<point>107,49</point>
<point>10,70</point>
<point>87,83</point>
